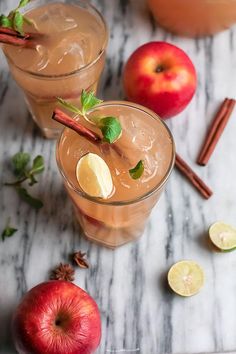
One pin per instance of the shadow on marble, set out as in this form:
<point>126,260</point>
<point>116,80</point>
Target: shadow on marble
<point>204,242</point>
<point>5,329</point>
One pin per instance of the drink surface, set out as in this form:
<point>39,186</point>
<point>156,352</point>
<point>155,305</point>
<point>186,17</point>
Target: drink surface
<point>194,17</point>
<point>143,137</point>
<point>72,37</point>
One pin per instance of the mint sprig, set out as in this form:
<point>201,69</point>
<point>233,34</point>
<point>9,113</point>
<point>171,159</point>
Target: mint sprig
<point>23,172</point>
<point>110,126</point>
<point>15,20</point>
<point>137,171</point>
<point>8,231</point>
<point>88,101</point>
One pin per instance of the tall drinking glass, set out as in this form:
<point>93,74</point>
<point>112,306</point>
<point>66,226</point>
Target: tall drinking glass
<point>122,217</point>
<point>68,55</point>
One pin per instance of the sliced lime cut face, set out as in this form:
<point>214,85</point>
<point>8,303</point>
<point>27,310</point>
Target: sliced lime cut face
<point>94,176</point>
<point>186,278</point>
<point>223,236</point>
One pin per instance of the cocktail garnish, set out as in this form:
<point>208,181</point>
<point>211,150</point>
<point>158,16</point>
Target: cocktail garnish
<point>137,171</point>
<point>109,126</point>
<point>94,176</point>
<point>88,101</point>
<point>15,20</point>
<point>23,173</point>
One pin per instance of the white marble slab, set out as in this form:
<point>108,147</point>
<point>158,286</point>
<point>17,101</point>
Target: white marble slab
<point>138,311</point>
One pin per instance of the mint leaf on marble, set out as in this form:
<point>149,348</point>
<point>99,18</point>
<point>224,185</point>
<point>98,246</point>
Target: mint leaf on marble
<point>25,173</point>
<point>110,128</point>
<point>38,165</point>
<point>33,202</point>
<point>20,161</point>
<point>137,171</point>
<point>8,231</point>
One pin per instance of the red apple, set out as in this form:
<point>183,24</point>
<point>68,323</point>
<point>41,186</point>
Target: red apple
<point>57,317</point>
<point>160,76</point>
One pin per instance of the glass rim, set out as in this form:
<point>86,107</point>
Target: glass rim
<point>159,185</point>
<point>76,71</point>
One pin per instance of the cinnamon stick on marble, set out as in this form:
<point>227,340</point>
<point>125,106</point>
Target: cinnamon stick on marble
<point>215,131</point>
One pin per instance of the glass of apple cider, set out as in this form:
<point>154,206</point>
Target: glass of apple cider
<point>121,218</point>
<point>194,18</point>
<point>68,55</point>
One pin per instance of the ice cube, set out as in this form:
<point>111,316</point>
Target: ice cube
<point>150,167</point>
<point>139,133</point>
<point>72,52</point>
<point>56,19</point>
<point>43,58</point>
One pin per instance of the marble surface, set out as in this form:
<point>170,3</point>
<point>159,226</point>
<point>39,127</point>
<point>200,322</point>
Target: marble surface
<point>139,313</point>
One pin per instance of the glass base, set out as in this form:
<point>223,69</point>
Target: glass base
<point>111,237</point>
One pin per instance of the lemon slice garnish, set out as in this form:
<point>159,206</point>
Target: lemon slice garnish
<point>223,236</point>
<point>186,278</point>
<point>94,176</point>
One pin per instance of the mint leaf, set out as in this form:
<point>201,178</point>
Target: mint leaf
<point>38,165</point>
<point>137,171</point>
<point>8,232</point>
<point>110,128</point>
<point>23,3</point>
<point>5,21</point>
<point>88,101</point>
<point>20,162</point>
<point>32,179</point>
<point>35,203</point>
<point>18,21</point>
<point>68,106</point>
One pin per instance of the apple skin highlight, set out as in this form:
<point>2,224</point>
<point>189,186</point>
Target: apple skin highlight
<point>160,76</point>
<point>56,317</point>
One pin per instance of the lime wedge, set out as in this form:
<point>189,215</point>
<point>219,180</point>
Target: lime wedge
<point>94,176</point>
<point>186,278</point>
<point>223,236</point>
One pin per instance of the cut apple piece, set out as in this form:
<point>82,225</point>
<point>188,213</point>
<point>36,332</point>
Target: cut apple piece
<point>223,236</point>
<point>186,278</point>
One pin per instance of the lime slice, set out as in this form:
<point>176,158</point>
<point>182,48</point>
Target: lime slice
<point>186,278</point>
<point>94,176</point>
<point>223,236</point>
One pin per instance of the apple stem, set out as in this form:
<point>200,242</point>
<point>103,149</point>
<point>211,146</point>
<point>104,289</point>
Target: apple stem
<point>159,69</point>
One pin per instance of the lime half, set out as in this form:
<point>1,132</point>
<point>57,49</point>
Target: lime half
<point>223,236</point>
<point>186,278</point>
<point>94,176</point>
